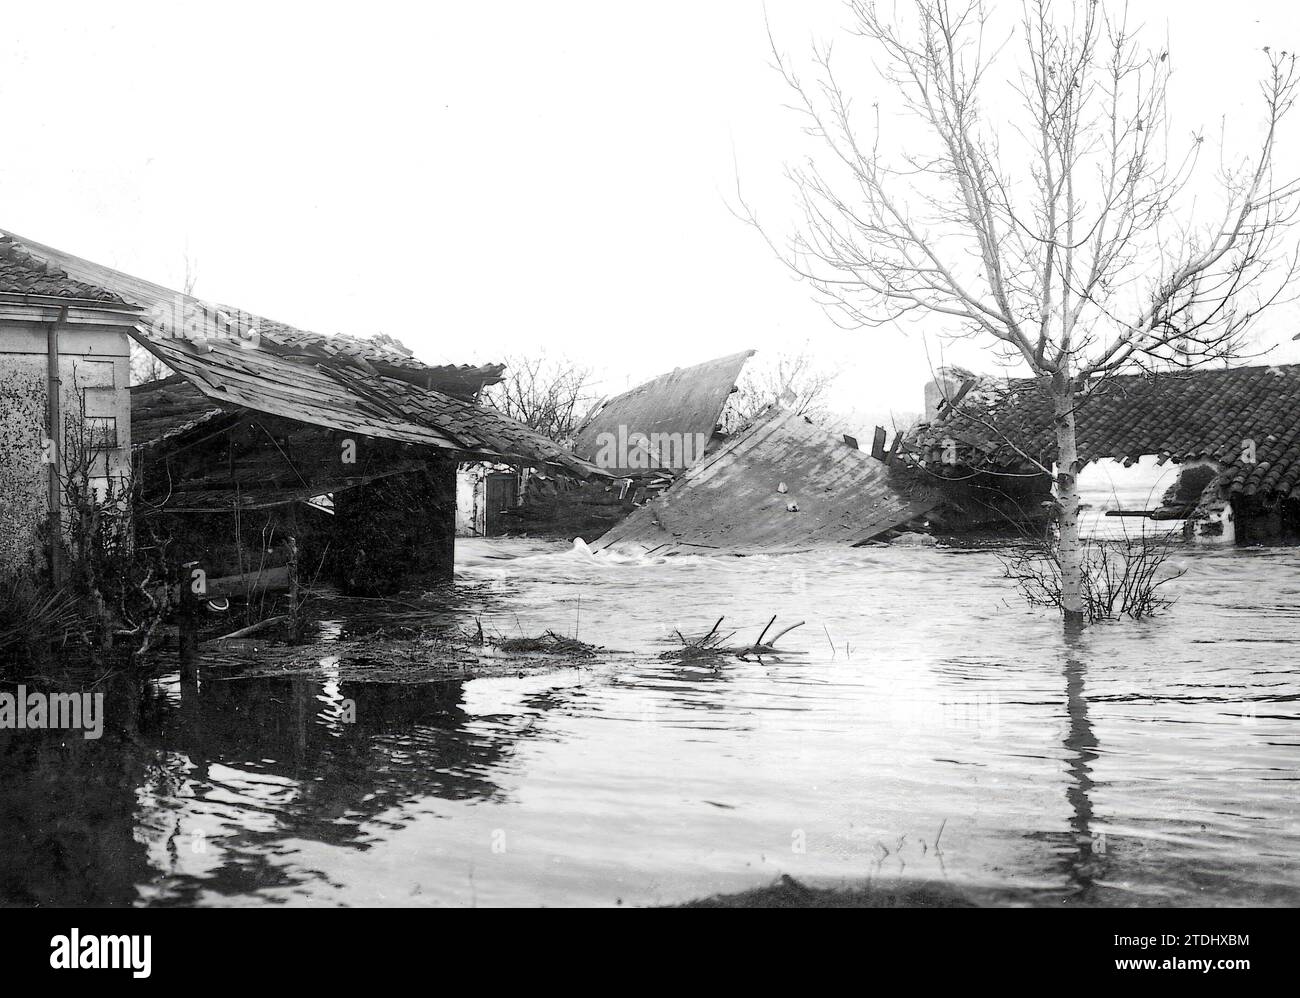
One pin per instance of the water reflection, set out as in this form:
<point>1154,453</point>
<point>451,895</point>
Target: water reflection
<point>229,771</point>
<point>67,824</point>
<point>941,747</point>
<point>1080,752</point>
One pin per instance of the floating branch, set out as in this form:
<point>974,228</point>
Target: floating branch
<point>759,648</point>
<point>713,645</point>
<point>709,646</point>
<point>247,632</point>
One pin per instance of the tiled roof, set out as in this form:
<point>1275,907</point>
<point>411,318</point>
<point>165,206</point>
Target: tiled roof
<point>227,378</point>
<point>1185,416</point>
<point>463,379</point>
<point>23,274</point>
<point>368,387</point>
<point>231,373</point>
<point>476,428</point>
<point>165,313</point>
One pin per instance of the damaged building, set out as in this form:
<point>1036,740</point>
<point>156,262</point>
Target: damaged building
<point>487,493</point>
<point>643,439</point>
<point>64,358</point>
<point>1233,433</point>
<point>269,448</point>
<point>682,485</point>
<point>780,485</point>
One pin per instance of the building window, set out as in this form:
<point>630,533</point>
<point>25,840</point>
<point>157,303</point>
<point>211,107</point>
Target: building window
<point>102,432</point>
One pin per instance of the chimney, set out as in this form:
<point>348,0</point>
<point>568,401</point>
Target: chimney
<point>935,392</point>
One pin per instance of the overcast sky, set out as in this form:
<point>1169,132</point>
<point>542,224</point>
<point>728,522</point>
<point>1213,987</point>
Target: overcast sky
<point>482,179</point>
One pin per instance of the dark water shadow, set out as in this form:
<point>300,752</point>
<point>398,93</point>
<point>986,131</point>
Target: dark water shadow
<point>1080,753</point>
<point>238,768</point>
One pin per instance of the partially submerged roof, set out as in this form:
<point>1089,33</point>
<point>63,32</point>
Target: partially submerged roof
<point>732,502</point>
<point>687,401</point>
<point>1203,415</point>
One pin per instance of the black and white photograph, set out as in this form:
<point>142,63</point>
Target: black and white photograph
<point>804,454</point>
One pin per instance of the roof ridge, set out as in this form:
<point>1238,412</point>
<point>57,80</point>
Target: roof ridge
<point>1030,381</point>
<point>112,284</point>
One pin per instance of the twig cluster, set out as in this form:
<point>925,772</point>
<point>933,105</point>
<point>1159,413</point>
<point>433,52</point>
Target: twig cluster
<point>1121,578</point>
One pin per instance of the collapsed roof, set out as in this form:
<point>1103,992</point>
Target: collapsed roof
<point>169,314</point>
<point>781,485</point>
<point>373,406</point>
<point>685,403</point>
<point>240,361</point>
<point>1207,415</point>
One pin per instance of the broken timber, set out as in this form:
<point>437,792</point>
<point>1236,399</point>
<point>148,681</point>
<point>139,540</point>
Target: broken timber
<point>732,502</point>
<point>684,404</point>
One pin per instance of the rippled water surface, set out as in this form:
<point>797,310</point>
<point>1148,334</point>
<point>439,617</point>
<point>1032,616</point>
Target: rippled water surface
<point>925,725</point>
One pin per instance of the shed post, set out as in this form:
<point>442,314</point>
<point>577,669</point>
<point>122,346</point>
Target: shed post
<point>295,621</point>
<point>192,587</point>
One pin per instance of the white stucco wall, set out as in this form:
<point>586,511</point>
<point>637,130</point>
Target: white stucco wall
<point>1106,485</point>
<point>93,359</point>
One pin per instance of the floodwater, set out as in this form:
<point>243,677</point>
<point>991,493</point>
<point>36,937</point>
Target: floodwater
<point>923,725</point>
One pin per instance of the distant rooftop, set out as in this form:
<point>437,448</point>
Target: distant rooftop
<point>1180,416</point>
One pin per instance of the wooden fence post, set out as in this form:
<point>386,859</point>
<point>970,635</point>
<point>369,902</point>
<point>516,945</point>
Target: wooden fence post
<point>193,587</point>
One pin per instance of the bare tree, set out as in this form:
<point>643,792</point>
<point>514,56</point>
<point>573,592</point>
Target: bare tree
<point>546,394</point>
<point>796,381</point>
<point>145,367</point>
<point>1073,242</point>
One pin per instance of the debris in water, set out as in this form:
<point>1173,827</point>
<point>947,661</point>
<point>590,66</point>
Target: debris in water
<point>549,643</point>
<point>712,646</point>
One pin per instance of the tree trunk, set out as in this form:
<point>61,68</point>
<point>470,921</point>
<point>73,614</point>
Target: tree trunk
<point>1067,498</point>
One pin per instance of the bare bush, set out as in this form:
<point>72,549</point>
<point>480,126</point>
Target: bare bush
<point>795,381</point>
<point>1121,577</point>
<point>120,584</point>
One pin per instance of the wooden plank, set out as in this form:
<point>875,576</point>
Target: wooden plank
<point>733,502</point>
<point>686,401</point>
